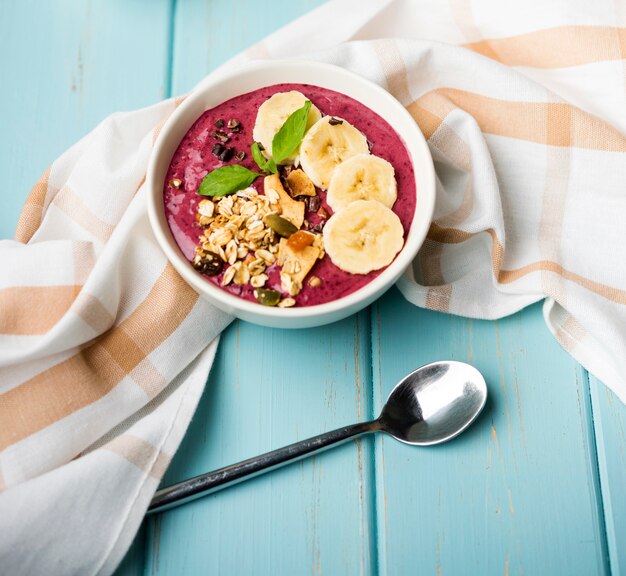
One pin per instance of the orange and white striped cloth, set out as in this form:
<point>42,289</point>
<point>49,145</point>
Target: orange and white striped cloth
<point>104,351</point>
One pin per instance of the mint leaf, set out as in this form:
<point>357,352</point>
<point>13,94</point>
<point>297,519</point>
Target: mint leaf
<point>288,138</point>
<point>226,180</point>
<point>261,161</point>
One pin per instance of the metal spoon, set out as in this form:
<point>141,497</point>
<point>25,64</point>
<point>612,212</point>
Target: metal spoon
<point>429,406</point>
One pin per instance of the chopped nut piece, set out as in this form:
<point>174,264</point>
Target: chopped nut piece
<point>259,280</point>
<point>231,252</point>
<point>176,183</point>
<point>206,208</point>
<point>291,209</point>
<point>314,282</point>
<point>266,255</point>
<point>240,155</point>
<point>219,123</point>
<point>242,275</point>
<point>220,135</point>
<point>299,184</point>
<point>228,276</point>
<point>256,267</point>
<point>286,303</point>
<point>322,213</point>
<point>234,125</point>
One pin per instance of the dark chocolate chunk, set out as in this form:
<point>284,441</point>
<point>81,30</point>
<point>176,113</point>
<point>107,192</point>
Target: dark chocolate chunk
<point>217,149</point>
<point>334,121</point>
<point>313,203</point>
<point>226,154</point>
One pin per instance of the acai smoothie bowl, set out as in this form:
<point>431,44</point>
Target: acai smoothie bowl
<point>290,194</point>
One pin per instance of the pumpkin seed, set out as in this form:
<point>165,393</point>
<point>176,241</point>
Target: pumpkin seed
<point>267,297</point>
<point>280,225</point>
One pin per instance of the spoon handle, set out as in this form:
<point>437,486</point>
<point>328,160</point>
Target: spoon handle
<point>210,482</point>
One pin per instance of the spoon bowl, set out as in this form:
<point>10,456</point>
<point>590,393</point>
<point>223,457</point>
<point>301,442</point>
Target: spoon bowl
<point>434,403</point>
<point>429,406</point>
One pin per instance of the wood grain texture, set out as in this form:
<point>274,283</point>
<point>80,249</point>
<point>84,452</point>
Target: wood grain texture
<point>269,388</point>
<point>516,493</point>
<point>208,33</point>
<point>536,486</point>
<point>66,66</point>
<point>609,416</point>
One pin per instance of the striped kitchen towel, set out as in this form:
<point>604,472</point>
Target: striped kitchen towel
<point>104,351</point>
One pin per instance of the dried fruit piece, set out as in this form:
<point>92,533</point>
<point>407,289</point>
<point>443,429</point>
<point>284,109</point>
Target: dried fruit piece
<point>210,264</point>
<point>299,184</point>
<point>292,210</point>
<point>296,265</point>
<point>299,240</point>
<point>267,297</point>
<point>280,225</point>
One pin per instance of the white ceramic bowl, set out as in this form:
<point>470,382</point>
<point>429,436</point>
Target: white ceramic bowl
<point>258,75</point>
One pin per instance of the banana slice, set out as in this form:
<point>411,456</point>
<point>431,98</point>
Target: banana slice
<point>362,177</point>
<point>363,236</point>
<point>272,115</point>
<point>328,143</point>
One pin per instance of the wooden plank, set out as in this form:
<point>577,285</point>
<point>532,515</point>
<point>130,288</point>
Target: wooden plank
<point>66,69</point>
<point>208,34</point>
<point>517,493</point>
<point>609,416</point>
<point>269,388</point>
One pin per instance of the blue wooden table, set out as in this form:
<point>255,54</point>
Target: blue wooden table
<point>537,486</point>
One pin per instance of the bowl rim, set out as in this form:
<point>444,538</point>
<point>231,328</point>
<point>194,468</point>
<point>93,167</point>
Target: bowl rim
<point>425,191</point>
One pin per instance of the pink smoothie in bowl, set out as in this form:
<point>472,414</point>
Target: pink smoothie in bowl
<point>222,136</point>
